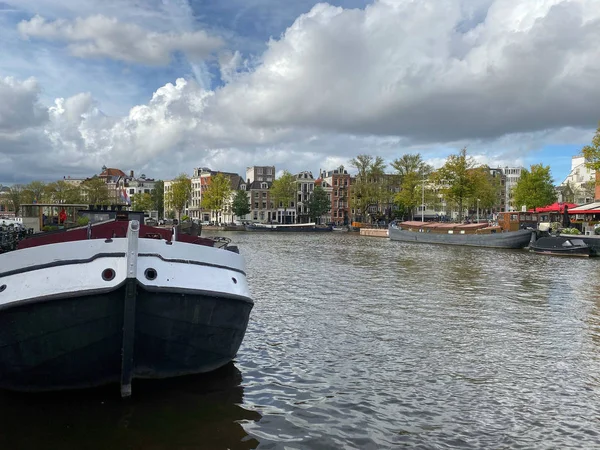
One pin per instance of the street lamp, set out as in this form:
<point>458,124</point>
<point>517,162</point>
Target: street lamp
<point>477,210</point>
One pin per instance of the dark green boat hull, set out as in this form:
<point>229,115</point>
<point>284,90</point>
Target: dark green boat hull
<point>77,342</point>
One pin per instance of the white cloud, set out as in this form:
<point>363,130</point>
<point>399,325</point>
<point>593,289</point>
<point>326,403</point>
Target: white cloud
<point>504,77</point>
<point>104,37</point>
<point>19,106</point>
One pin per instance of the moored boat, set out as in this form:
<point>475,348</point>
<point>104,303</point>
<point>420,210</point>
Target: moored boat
<point>340,229</point>
<point>472,235</point>
<point>560,246</point>
<point>294,227</point>
<point>115,301</point>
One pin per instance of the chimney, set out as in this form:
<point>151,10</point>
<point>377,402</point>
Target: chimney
<point>131,173</point>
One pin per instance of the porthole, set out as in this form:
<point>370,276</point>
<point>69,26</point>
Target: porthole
<point>234,280</point>
<point>150,274</point>
<point>108,274</point>
<point>2,288</point>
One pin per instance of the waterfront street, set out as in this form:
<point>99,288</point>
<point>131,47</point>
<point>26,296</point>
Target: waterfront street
<point>363,343</point>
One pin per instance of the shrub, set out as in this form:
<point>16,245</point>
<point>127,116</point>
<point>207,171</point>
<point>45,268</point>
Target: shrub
<point>82,220</point>
<point>573,231</point>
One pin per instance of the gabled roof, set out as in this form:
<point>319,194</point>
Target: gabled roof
<point>111,172</point>
<point>236,181</point>
<point>256,185</point>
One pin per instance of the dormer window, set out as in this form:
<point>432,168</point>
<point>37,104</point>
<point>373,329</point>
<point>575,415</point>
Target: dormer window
<point>264,186</point>
<point>243,187</point>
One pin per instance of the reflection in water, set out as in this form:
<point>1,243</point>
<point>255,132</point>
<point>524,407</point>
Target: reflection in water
<point>196,412</point>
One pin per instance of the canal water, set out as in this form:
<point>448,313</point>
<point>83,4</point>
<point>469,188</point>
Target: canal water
<point>364,343</point>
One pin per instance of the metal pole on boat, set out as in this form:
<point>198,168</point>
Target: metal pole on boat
<point>423,200</point>
<point>133,232</point>
<point>477,210</point>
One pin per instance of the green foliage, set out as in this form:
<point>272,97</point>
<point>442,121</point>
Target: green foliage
<point>34,192</point>
<point>318,203</point>
<point>241,204</point>
<point>96,191</point>
<point>535,187</point>
<point>185,217</point>
<point>142,202</point>
<point>591,152</point>
<point>458,179</point>
<point>217,193</point>
<point>180,192</point>
<point>14,197</point>
<point>412,176</point>
<point>573,231</point>
<point>371,186</point>
<point>62,192</point>
<point>170,214</point>
<point>158,197</point>
<point>283,190</point>
<point>82,220</point>
<point>487,188</point>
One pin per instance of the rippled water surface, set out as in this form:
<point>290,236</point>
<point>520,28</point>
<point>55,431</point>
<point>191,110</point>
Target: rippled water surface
<point>364,343</point>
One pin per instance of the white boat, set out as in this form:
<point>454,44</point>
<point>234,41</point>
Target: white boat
<point>338,228</point>
<point>117,301</point>
<point>294,227</point>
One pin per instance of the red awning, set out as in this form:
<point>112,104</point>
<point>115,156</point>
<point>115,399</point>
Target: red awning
<point>555,207</point>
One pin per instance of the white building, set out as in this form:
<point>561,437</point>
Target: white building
<point>512,175</point>
<point>260,173</point>
<point>577,179</point>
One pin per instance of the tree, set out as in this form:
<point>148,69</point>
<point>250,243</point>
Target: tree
<point>412,172</point>
<point>240,205</point>
<point>33,192</point>
<point>180,192</point>
<point>217,193</point>
<point>318,203</point>
<point>158,197</point>
<point>142,202</point>
<point>487,188</point>
<point>591,153</point>
<point>535,187</point>
<point>96,191</point>
<point>62,192</point>
<point>283,191</point>
<point>371,187</point>
<point>458,179</point>
<point>587,191</point>
<point>14,197</point>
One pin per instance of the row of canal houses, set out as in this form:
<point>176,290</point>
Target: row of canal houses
<point>257,184</point>
<point>337,184</point>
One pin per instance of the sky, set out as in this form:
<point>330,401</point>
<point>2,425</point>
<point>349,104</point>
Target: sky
<point>163,86</point>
